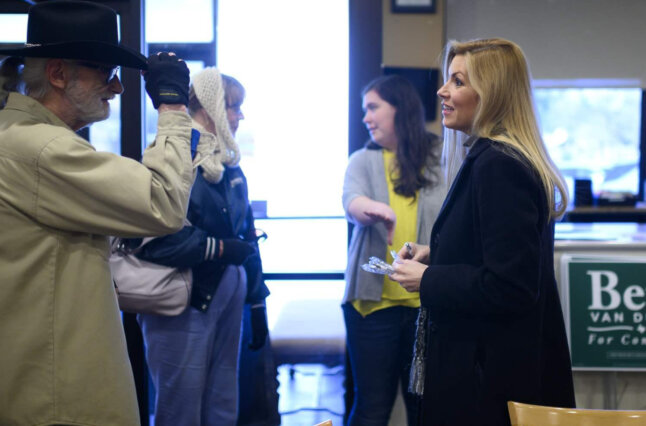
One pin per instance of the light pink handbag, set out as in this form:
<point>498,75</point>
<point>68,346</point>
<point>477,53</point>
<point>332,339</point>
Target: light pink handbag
<point>146,287</point>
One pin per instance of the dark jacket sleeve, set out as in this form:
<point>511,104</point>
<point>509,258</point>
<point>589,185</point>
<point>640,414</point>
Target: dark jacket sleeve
<point>257,290</point>
<point>504,213</point>
<point>183,249</point>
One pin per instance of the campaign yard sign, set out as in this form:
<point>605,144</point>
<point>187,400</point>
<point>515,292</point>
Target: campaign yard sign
<point>604,304</point>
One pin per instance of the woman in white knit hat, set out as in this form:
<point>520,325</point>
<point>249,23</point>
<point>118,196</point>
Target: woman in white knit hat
<point>193,357</point>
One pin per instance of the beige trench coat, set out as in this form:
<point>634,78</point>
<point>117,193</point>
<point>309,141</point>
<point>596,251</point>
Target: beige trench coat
<point>63,358</point>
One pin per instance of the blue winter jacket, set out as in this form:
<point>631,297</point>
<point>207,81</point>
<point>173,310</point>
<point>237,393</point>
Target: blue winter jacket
<point>215,211</point>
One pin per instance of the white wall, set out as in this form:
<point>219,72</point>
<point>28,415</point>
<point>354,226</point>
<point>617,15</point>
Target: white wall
<point>563,39</point>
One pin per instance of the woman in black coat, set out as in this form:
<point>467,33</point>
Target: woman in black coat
<point>493,329</point>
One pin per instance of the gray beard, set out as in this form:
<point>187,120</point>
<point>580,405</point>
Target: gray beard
<point>89,106</point>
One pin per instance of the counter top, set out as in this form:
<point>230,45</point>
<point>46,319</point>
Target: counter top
<point>615,235</point>
<point>595,214</point>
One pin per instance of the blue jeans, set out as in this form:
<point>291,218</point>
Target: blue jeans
<point>193,358</point>
<point>381,349</point>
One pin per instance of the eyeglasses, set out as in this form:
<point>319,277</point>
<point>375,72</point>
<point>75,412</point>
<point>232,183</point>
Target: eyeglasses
<point>109,71</point>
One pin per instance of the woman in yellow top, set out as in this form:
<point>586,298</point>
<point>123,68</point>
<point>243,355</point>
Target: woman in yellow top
<point>392,193</point>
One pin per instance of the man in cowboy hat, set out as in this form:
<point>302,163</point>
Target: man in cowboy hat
<point>63,356</point>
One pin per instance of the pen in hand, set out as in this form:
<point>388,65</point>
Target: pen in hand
<point>409,251</point>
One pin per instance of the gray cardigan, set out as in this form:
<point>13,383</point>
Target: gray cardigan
<point>365,176</point>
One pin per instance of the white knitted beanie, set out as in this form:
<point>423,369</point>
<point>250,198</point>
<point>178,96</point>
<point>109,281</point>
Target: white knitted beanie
<point>209,155</point>
<point>210,92</point>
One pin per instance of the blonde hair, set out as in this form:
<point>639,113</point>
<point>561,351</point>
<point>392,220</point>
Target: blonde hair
<point>498,72</point>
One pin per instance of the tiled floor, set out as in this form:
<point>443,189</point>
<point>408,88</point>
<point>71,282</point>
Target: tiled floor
<point>312,395</point>
<point>314,385</point>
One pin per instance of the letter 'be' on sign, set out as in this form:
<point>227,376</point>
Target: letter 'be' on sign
<point>604,305</point>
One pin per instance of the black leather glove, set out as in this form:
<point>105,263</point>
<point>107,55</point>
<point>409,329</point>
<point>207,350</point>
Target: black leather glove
<point>236,251</point>
<point>167,80</point>
<point>259,328</point>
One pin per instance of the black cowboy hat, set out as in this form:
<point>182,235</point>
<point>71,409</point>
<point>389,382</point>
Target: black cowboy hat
<point>81,30</point>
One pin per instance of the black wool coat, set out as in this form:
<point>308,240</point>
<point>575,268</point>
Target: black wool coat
<point>496,331</point>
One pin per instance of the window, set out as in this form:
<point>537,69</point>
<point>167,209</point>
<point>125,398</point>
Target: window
<point>294,139</point>
<point>106,135</point>
<point>593,133</point>
<point>185,28</point>
<point>13,28</point>
<point>304,245</point>
<point>186,21</point>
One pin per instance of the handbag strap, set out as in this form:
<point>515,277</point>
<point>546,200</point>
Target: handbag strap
<point>118,245</point>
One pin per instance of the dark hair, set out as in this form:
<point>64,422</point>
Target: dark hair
<point>415,146</point>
